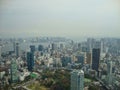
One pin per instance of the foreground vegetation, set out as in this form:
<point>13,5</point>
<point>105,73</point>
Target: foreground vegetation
<point>58,80</point>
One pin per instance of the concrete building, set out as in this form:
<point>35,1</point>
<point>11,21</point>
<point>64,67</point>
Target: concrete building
<point>14,71</point>
<point>77,80</point>
<point>109,72</point>
<point>0,51</point>
<point>17,49</point>
<point>95,59</point>
<point>54,46</point>
<point>80,59</point>
<point>30,61</point>
<point>40,48</point>
<point>88,58</point>
<point>65,60</point>
<point>32,48</point>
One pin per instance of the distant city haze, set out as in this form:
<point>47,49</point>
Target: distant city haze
<point>65,18</point>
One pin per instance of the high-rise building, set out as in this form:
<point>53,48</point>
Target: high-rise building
<point>65,60</point>
<point>101,47</point>
<point>61,46</point>
<point>30,61</point>
<point>77,80</point>
<point>54,46</point>
<point>79,46</point>
<point>97,44</point>
<point>14,46</point>
<point>109,72</point>
<point>95,58</point>
<point>14,71</point>
<point>40,48</point>
<point>80,59</point>
<point>90,44</point>
<point>0,51</point>
<point>16,49</point>
<point>32,48</point>
<point>88,58</point>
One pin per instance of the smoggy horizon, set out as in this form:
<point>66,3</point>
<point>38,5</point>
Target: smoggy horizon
<point>64,18</point>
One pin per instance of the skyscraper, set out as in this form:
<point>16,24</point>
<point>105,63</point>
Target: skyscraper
<point>30,61</point>
<point>77,80</point>
<point>109,72</point>
<point>16,48</point>
<point>0,51</point>
<point>88,58</point>
<point>66,60</point>
<point>13,71</point>
<point>32,48</point>
<point>40,48</point>
<point>90,44</point>
<point>95,58</point>
<point>80,59</point>
<point>97,44</point>
<point>79,46</point>
<point>54,46</point>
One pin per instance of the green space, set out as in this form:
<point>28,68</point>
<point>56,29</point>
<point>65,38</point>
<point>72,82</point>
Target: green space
<point>36,86</point>
<point>56,80</point>
<point>52,80</point>
<point>87,80</point>
<point>33,75</point>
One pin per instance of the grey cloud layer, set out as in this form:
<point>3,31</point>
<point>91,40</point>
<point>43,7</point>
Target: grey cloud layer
<point>61,17</point>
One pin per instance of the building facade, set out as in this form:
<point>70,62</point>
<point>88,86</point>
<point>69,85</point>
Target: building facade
<point>32,48</point>
<point>30,61</point>
<point>95,58</point>
<point>40,48</point>
<point>88,58</point>
<point>17,49</point>
<point>14,71</point>
<point>77,80</point>
<point>109,72</point>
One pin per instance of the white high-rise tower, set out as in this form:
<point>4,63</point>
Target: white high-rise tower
<point>109,72</point>
<point>77,80</point>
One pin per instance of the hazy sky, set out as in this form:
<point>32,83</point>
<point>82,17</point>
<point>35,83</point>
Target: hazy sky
<point>70,18</point>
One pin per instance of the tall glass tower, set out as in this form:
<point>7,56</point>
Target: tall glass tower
<point>30,61</point>
<point>95,58</point>
<point>109,72</point>
<point>17,49</point>
<point>14,71</point>
<point>77,80</point>
<point>40,48</point>
<point>0,50</point>
<point>32,48</point>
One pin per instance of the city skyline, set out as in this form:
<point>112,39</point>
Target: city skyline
<point>59,64</point>
<point>66,18</point>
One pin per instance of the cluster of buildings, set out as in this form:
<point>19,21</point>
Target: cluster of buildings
<point>99,58</point>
